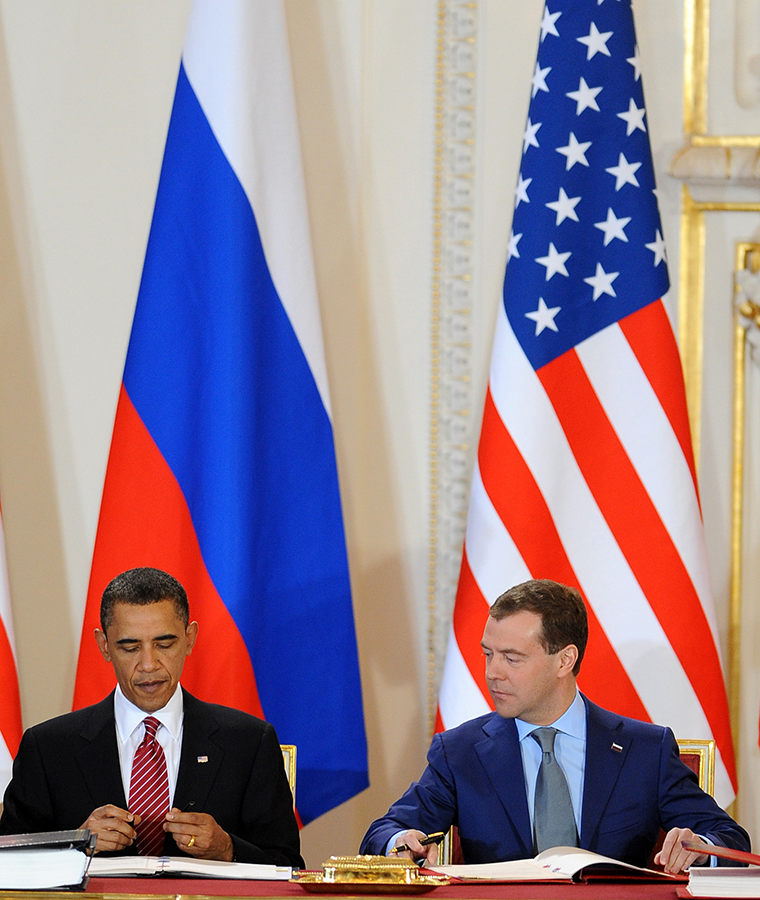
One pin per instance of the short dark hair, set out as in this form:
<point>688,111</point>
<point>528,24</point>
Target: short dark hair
<point>141,587</point>
<point>563,614</point>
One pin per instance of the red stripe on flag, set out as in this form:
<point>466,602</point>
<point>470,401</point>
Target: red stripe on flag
<point>653,343</point>
<point>10,702</point>
<point>522,508</point>
<point>641,535</point>
<point>144,521</point>
<point>470,614</point>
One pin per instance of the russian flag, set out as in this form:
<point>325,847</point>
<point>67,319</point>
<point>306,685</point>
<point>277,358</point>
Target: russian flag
<point>222,467</point>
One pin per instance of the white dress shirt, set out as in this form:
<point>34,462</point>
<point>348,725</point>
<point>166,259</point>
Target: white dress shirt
<point>130,732</point>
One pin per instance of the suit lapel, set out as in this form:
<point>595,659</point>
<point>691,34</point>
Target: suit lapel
<point>499,753</point>
<point>200,757</point>
<point>606,750</point>
<point>99,759</point>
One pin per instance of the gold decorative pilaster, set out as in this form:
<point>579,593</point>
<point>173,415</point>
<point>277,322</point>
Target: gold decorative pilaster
<point>690,309</point>
<point>451,439</point>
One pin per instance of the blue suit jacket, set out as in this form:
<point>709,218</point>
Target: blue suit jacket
<point>474,780</point>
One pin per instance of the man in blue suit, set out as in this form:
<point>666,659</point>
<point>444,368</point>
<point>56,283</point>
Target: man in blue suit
<point>625,778</point>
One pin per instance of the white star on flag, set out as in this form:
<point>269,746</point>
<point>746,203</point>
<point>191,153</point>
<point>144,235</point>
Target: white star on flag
<point>635,61</point>
<point>547,24</point>
<point>529,137</point>
<point>624,172</point>
<point>521,191</point>
<point>514,240</point>
<point>554,262</point>
<point>585,97</point>
<point>634,118</point>
<point>539,79</point>
<point>574,151</point>
<point>658,248</point>
<point>613,227</point>
<point>543,316</point>
<point>596,42</point>
<point>564,206</point>
<point>601,282</point>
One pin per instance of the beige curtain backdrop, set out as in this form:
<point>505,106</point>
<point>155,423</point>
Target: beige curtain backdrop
<point>85,94</point>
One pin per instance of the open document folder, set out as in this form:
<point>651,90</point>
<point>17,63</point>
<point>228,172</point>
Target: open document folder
<point>129,866</point>
<point>557,864</point>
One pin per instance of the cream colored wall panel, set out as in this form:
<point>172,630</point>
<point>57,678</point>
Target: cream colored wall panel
<point>723,230</point>
<point>86,94</point>
<point>733,96</point>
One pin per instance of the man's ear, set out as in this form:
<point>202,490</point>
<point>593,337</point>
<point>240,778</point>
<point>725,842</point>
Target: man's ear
<point>568,657</point>
<point>102,642</point>
<point>192,636</point>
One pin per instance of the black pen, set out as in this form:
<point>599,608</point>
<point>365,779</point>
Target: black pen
<point>435,838</point>
<point>188,806</point>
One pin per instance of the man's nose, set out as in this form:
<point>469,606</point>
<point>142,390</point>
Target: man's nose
<point>494,668</point>
<point>148,659</point>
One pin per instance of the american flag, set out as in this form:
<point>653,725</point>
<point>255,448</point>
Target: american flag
<point>585,472</point>
<point>10,702</point>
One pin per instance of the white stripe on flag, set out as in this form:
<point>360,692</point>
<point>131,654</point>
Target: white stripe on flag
<point>461,698</point>
<point>490,548</point>
<point>629,401</point>
<point>225,70</point>
<point>5,593</point>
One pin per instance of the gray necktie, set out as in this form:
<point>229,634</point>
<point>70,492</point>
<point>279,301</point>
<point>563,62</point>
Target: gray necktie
<point>553,819</point>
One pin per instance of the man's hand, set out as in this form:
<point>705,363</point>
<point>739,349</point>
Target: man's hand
<point>416,850</point>
<point>199,835</point>
<point>113,826</point>
<point>675,858</point>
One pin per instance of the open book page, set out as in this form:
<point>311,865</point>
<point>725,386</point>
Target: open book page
<point>557,864</point>
<point>512,870</point>
<point>123,865</point>
<point>116,866</point>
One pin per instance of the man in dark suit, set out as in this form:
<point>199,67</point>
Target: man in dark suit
<point>624,778</point>
<point>231,799</point>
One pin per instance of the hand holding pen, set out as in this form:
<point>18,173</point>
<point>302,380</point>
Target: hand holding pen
<point>419,846</point>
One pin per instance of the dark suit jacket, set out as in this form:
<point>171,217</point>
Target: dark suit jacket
<point>475,780</point>
<point>69,766</point>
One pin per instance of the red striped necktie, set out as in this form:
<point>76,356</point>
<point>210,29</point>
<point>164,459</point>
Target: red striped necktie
<point>149,791</point>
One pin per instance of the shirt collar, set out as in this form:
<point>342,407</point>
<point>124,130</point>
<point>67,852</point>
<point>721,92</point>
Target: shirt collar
<point>129,717</point>
<point>572,721</point>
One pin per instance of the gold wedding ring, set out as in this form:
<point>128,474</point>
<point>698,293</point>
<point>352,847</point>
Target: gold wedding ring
<point>191,841</point>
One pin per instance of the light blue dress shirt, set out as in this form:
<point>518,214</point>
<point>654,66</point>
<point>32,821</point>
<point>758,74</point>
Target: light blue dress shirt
<point>569,750</point>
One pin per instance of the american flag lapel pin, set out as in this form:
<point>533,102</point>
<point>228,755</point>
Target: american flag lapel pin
<point>202,759</point>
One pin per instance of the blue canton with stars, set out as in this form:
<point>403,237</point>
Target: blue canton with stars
<point>586,247</point>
